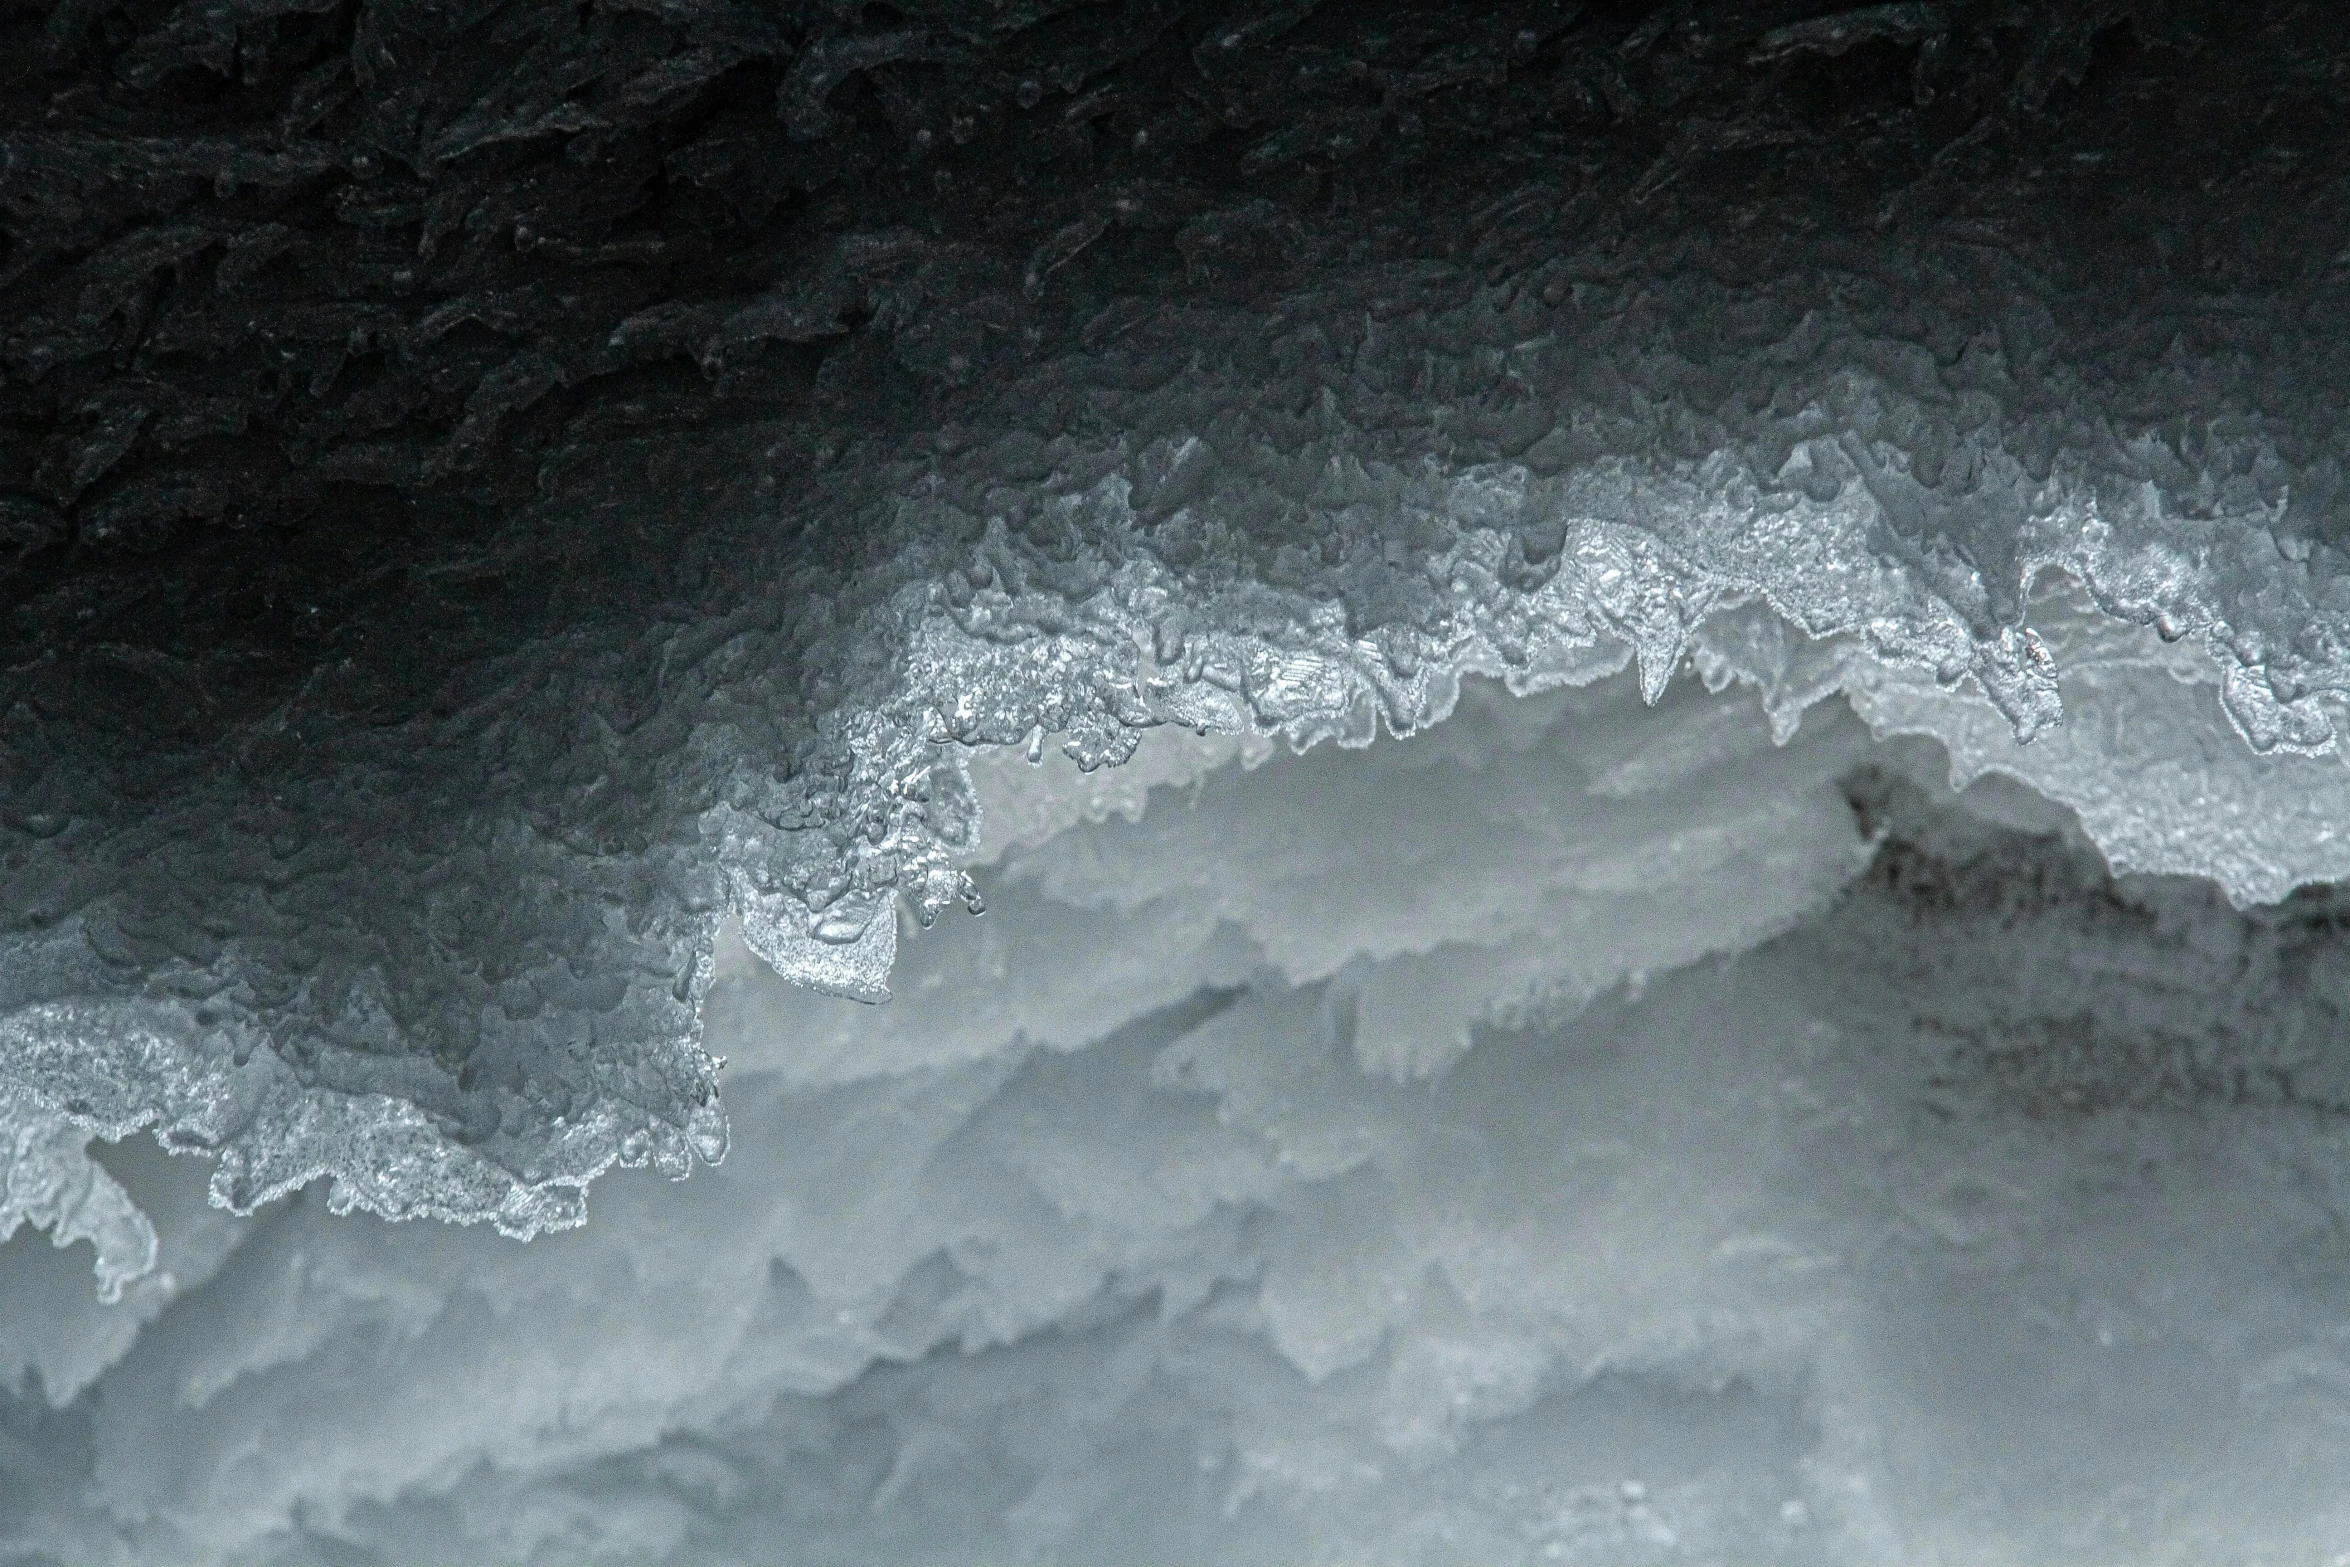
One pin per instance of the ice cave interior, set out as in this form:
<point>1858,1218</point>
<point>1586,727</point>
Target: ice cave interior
<point>1144,782</point>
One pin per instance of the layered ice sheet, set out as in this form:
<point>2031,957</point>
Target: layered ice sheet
<point>1584,1131</point>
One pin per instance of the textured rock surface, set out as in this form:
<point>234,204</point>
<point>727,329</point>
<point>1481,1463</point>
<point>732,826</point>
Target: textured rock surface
<point>492,491</point>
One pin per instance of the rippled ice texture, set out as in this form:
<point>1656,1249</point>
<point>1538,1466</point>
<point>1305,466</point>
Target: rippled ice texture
<point>1581,1132</point>
<point>495,492</point>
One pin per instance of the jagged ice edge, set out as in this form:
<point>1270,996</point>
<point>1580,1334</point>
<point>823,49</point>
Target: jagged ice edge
<point>1007,661</point>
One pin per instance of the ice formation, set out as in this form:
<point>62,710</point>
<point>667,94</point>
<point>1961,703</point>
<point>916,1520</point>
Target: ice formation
<point>1869,1176</point>
<point>431,624</point>
<point>1468,588</point>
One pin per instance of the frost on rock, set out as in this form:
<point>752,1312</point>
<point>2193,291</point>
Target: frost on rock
<point>501,494</point>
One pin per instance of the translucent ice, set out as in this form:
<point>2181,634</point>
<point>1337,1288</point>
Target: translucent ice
<point>50,1183</point>
<point>1925,1192</point>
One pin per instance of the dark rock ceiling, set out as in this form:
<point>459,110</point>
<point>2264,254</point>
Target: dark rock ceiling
<point>302,300</point>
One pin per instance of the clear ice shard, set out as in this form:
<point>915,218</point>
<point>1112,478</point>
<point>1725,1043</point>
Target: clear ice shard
<point>50,1182</point>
